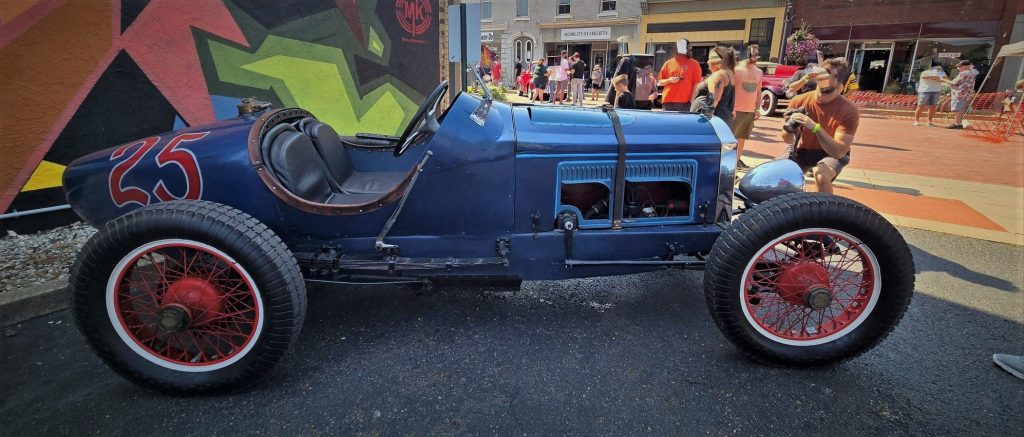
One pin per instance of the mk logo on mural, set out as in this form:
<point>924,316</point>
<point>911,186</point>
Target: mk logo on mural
<point>414,16</point>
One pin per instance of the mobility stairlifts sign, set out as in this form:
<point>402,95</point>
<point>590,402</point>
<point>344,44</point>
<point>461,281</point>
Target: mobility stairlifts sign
<point>587,34</point>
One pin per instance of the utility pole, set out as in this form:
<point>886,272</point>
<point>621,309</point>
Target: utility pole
<point>787,19</point>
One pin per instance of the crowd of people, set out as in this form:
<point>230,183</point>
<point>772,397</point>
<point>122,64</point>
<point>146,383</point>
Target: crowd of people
<point>827,121</point>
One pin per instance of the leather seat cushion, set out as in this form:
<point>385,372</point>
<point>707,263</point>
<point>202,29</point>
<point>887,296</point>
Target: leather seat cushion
<point>373,182</point>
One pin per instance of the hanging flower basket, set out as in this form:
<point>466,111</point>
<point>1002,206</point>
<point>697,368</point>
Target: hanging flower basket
<point>802,46</point>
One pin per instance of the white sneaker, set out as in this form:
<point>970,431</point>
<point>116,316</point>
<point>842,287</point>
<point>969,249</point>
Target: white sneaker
<point>918,123</point>
<point>1010,363</point>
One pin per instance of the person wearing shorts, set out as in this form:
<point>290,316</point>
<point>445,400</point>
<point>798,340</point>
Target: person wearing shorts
<point>928,88</point>
<point>960,90</point>
<point>748,91</point>
<point>540,81</point>
<point>808,159</point>
<point>828,123</point>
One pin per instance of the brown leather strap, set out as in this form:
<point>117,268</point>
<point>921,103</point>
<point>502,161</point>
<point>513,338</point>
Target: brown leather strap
<point>620,167</point>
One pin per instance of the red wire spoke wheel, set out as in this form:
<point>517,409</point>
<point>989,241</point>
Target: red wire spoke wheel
<point>184,305</point>
<point>188,297</point>
<point>808,278</point>
<point>810,287</point>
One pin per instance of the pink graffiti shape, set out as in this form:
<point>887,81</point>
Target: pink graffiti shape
<point>350,9</point>
<point>161,43</point>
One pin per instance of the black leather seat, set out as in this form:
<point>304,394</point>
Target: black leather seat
<point>335,157</point>
<point>295,163</point>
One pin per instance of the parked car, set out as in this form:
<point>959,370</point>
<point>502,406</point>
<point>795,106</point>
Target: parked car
<point>195,280</point>
<point>773,93</point>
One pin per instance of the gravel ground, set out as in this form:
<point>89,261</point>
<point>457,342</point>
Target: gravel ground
<point>27,260</point>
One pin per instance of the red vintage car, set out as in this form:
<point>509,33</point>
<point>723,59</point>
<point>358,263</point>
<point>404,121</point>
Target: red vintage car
<point>773,93</point>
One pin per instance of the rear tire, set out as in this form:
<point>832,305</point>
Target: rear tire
<point>768,103</point>
<point>188,296</point>
<point>808,278</point>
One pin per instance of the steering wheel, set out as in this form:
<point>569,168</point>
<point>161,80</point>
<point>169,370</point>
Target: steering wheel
<point>424,122</point>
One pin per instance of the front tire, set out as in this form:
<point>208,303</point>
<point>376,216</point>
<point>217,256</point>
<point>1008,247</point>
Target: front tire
<point>808,278</point>
<point>188,296</point>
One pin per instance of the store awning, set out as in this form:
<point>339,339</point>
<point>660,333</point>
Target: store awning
<point>1015,49</point>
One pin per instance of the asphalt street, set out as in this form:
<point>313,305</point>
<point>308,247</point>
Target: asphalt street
<point>619,355</point>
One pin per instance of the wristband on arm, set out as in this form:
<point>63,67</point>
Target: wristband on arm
<point>817,128</point>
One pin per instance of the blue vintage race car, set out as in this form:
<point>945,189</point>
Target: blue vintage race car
<point>195,281</point>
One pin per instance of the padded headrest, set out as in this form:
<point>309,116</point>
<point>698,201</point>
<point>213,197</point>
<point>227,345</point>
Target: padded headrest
<point>321,132</point>
<point>330,147</point>
<point>271,136</point>
<point>297,166</point>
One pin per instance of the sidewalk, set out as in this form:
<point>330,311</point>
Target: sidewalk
<point>921,177</point>
<point>925,177</point>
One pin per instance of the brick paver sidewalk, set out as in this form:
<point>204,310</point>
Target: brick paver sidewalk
<point>925,177</point>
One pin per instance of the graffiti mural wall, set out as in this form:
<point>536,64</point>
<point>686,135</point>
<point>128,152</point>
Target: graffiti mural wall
<point>77,76</point>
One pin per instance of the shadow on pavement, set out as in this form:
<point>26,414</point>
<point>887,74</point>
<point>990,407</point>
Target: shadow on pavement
<point>872,186</point>
<point>594,356</point>
<point>926,261</point>
<point>877,146</point>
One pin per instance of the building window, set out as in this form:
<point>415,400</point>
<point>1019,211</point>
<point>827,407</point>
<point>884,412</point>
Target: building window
<point>607,5</point>
<point>519,50</point>
<point>485,9</point>
<point>562,7</point>
<point>761,30</point>
<point>522,8</point>
<point>529,50</point>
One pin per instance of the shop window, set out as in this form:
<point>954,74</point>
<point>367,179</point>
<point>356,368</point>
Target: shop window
<point>522,8</point>
<point>607,5</point>
<point>523,49</point>
<point>761,31</point>
<point>900,78</point>
<point>485,9</point>
<point>662,53</point>
<point>832,49</point>
<point>948,52</point>
<point>563,7</point>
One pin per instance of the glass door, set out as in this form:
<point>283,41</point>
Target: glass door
<point>871,66</point>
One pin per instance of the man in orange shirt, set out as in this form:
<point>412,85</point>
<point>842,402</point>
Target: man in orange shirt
<point>829,122</point>
<point>679,76</point>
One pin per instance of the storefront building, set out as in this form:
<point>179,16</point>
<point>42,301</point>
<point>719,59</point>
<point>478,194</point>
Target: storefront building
<point>530,29</point>
<point>592,29</point>
<point>890,43</point>
<point>508,30</point>
<point>706,23</point>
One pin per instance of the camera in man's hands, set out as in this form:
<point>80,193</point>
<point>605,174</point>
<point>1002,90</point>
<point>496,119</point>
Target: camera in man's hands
<point>791,125</point>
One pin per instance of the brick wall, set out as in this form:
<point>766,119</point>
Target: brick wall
<point>860,12</point>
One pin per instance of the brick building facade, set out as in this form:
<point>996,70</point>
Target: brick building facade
<point>889,42</point>
<point>531,29</point>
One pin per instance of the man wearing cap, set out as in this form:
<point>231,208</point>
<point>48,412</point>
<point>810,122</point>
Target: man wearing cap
<point>679,76</point>
<point>829,121</point>
<point>960,90</point>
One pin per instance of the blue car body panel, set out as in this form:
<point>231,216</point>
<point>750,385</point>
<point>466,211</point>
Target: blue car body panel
<point>483,183</point>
